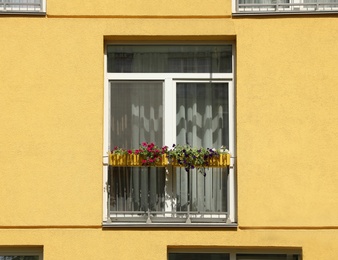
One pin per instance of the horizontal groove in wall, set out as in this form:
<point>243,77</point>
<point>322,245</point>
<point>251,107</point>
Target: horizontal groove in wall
<point>287,227</point>
<point>54,227</point>
<point>143,16</point>
<point>239,227</point>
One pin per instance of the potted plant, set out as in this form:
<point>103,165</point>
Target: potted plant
<point>148,154</point>
<point>200,158</point>
<point>152,155</point>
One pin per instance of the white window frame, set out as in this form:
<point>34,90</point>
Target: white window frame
<point>293,7</point>
<point>22,251</point>
<point>5,8</point>
<point>169,93</point>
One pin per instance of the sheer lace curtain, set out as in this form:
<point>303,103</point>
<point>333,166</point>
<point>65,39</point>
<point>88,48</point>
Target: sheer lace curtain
<point>202,121</point>
<point>136,117</point>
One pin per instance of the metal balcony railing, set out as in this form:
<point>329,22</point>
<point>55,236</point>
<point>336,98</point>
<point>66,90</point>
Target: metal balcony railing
<point>170,195</point>
<point>286,6</point>
<point>21,6</point>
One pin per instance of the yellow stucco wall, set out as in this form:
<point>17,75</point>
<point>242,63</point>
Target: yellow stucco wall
<point>51,135</point>
<point>146,8</point>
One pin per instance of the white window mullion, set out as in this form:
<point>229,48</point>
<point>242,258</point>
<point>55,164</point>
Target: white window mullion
<point>169,112</point>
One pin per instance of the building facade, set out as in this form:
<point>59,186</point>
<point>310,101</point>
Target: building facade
<point>79,78</point>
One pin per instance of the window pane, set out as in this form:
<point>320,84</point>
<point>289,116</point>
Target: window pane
<point>202,114</point>
<point>21,5</point>
<point>202,121</point>
<point>261,257</point>
<point>137,190</point>
<point>136,117</point>
<point>136,113</point>
<point>19,257</point>
<point>170,59</point>
<point>199,256</point>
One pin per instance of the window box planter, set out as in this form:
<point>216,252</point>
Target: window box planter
<point>222,160</point>
<point>134,160</point>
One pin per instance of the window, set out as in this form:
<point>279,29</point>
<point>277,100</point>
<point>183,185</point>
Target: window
<point>286,6</point>
<point>22,6</point>
<point>19,253</point>
<point>235,255</point>
<point>169,94</point>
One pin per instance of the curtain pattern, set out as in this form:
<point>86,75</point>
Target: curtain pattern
<point>136,117</point>
<point>202,121</point>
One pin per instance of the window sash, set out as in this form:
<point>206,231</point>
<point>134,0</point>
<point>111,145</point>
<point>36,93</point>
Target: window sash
<point>169,58</point>
<point>22,6</point>
<point>232,255</point>
<point>258,6</point>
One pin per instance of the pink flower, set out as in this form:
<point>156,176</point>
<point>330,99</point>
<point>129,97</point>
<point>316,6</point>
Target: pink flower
<point>137,151</point>
<point>130,151</point>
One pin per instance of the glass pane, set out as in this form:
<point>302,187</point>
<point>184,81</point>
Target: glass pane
<point>199,256</point>
<point>202,193</point>
<point>170,59</point>
<point>136,189</point>
<point>263,2</point>
<point>136,117</point>
<point>202,114</point>
<point>19,257</point>
<point>202,121</point>
<point>261,257</point>
<point>136,113</point>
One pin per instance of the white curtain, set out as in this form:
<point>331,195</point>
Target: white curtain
<point>202,121</point>
<point>136,117</point>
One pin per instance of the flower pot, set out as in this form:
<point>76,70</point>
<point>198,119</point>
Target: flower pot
<point>118,159</point>
<point>134,160</point>
<point>223,160</point>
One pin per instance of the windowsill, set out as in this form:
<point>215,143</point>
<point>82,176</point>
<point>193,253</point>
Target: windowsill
<point>274,13</point>
<point>25,13</point>
<point>167,225</point>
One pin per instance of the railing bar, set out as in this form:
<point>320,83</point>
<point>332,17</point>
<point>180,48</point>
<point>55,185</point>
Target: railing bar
<point>181,212</point>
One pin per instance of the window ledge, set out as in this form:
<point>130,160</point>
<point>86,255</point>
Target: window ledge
<point>167,225</point>
<point>23,13</point>
<point>274,13</point>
